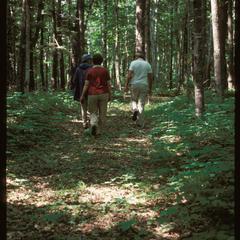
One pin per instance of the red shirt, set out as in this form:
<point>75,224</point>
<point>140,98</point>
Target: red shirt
<point>98,77</point>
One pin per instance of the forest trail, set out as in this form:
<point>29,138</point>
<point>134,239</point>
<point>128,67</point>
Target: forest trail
<point>117,178</point>
<point>127,184</point>
<point>97,188</point>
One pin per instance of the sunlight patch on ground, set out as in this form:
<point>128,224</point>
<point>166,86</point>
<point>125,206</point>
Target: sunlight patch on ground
<point>39,195</point>
<point>108,194</point>
<point>171,138</point>
<point>75,120</point>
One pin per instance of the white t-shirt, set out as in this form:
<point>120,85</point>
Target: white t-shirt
<point>140,69</point>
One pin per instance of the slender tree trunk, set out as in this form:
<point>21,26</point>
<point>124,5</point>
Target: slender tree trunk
<point>209,60</point>
<point>183,50</point>
<point>42,58</point>
<point>140,33</point>
<point>223,9</point>
<point>22,56</point>
<point>171,50</point>
<point>199,54</point>
<point>54,80</point>
<point>11,75</point>
<point>60,42</point>
<point>230,47</point>
<point>34,38</point>
<point>31,80</point>
<point>27,53</point>
<point>79,41</point>
<point>117,53</point>
<point>147,26</point>
<point>105,32</point>
<point>217,49</point>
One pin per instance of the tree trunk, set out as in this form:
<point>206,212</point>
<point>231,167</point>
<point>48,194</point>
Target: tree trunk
<point>117,57</point>
<point>171,50</point>
<point>199,54</point>
<point>147,31</point>
<point>230,47</point>
<point>105,32</point>
<point>11,69</point>
<point>54,80</point>
<point>223,9</point>
<point>217,49</point>
<point>42,58</point>
<point>60,42</point>
<point>140,33</point>
<point>34,38</point>
<point>28,50</point>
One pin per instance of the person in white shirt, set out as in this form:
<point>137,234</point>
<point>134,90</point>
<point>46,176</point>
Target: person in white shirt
<point>139,78</point>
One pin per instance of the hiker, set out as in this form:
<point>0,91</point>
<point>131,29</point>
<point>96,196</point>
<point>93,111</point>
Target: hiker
<point>98,88</point>
<point>79,80</point>
<point>140,78</point>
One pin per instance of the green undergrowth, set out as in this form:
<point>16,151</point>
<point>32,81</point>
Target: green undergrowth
<point>188,167</point>
<point>196,155</point>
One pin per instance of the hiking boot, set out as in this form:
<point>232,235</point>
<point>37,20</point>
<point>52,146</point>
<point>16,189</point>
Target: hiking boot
<point>134,116</point>
<point>94,130</point>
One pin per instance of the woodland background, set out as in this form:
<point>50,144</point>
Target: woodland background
<point>174,179</point>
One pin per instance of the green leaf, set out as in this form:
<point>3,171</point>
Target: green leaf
<point>124,226</point>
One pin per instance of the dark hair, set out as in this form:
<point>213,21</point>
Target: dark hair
<point>97,59</point>
<point>140,54</point>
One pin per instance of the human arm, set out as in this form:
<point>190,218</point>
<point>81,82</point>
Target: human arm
<point>109,90</point>
<point>85,88</point>
<point>129,77</point>
<point>150,80</point>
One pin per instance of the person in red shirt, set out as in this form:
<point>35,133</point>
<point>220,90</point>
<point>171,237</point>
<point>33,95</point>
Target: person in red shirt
<point>98,88</point>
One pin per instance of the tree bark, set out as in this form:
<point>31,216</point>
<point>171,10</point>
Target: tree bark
<point>223,9</point>
<point>60,42</point>
<point>147,31</point>
<point>199,54</point>
<point>230,47</point>
<point>34,38</point>
<point>11,46</point>
<point>171,50</point>
<point>117,52</point>
<point>217,49</point>
<point>28,50</point>
<point>105,32</point>
<point>54,80</point>
<point>140,33</point>
<point>41,56</point>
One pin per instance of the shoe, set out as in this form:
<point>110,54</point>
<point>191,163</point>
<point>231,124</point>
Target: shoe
<point>134,116</point>
<point>94,130</point>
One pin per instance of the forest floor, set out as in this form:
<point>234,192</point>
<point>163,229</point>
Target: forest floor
<point>127,184</point>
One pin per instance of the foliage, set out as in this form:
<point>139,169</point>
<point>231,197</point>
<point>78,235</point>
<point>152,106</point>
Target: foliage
<point>202,178</point>
<point>176,175</point>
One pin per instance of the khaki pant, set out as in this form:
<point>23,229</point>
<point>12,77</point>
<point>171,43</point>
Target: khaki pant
<point>138,98</point>
<point>83,107</point>
<point>97,107</point>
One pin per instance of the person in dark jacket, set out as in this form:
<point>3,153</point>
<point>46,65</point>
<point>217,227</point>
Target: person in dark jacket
<point>79,80</point>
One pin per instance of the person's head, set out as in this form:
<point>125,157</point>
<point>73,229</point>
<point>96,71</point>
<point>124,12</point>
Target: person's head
<point>139,54</point>
<point>97,59</point>
<point>86,58</point>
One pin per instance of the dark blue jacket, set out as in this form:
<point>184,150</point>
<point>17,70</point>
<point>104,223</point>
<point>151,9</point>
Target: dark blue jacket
<point>79,80</point>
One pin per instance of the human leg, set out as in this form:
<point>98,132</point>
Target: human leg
<point>134,101</point>
<point>93,110</point>
<point>141,104</point>
<point>102,103</point>
<point>84,113</point>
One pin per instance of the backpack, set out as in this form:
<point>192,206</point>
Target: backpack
<point>78,82</point>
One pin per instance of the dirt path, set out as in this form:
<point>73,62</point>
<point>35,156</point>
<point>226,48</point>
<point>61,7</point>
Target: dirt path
<point>103,188</point>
